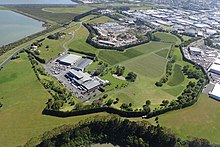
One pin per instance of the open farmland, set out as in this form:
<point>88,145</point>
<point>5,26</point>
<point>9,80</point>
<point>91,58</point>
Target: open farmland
<point>200,120</point>
<point>23,99</point>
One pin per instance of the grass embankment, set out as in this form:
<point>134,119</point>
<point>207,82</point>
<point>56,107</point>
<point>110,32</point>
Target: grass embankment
<point>79,41</point>
<point>102,19</point>
<point>200,120</point>
<point>114,57</point>
<point>38,11</point>
<point>167,37</point>
<point>73,9</point>
<point>23,98</point>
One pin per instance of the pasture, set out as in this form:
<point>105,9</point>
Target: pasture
<point>200,120</point>
<point>23,98</point>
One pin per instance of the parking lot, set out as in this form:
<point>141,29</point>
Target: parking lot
<point>59,71</point>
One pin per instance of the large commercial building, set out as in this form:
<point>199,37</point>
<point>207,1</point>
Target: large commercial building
<point>68,59</point>
<point>83,80</point>
<point>195,51</point>
<point>215,93</point>
<point>215,68</point>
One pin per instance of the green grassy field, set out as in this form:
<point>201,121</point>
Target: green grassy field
<point>88,17</point>
<point>200,120</point>
<point>23,99</point>
<point>177,77</point>
<point>47,16</point>
<point>55,47</point>
<point>167,37</point>
<point>102,19</point>
<point>75,9</point>
<point>148,65</point>
<point>79,41</point>
<point>115,57</point>
<point>163,53</point>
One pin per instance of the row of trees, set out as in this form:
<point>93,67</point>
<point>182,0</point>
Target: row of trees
<point>60,94</point>
<point>116,131</point>
<point>169,68</point>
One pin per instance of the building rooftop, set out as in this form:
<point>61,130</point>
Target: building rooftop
<point>69,58</point>
<point>81,76</point>
<point>83,63</point>
<point>216,91</point>
<point>194,49</point>
<point>91,84</point>
<point>215,67</point>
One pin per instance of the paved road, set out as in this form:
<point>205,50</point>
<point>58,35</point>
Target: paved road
<point>9,58</point>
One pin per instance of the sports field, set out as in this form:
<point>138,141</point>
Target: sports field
<point>200,120</point>
<point>23,99</point>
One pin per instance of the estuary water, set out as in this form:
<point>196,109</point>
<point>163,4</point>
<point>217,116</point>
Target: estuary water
<point>14,26</point>
<point>41,2</point>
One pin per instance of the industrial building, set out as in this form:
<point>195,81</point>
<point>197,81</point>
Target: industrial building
<point>82,64</point>
<point>195,51</point>
<point>68,59</point>
<point>215,93</point>
<point>83,80</point>
<point>215,68</point>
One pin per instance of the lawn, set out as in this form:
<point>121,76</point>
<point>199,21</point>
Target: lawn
<point>75,9</point>
<point>55,47</point>
<point>47,16</point>
<point>88,17</point>
<point>79,41</point>
<point>167,37</point>
<point>147,65</point>
<point>115,57</point>
<point>177,77</point>
<point>23,99</point>
<point>102,19</point>
<point>200,120</point>
<point>163,53</point>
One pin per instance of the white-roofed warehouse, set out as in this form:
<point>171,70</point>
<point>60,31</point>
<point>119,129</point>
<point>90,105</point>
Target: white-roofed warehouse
<point>68,59</point>
<point>215,68</point>
<point>215,93</point>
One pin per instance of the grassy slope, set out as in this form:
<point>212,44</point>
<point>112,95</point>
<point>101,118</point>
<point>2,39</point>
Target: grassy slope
<point>23,99</point>
<point>79,41</point>
<point>200,120</point>
<point>102,19</point>
<point>177,77</point>
<point>76,9</point>
<point>114,57</point>
<point>167,37</point>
